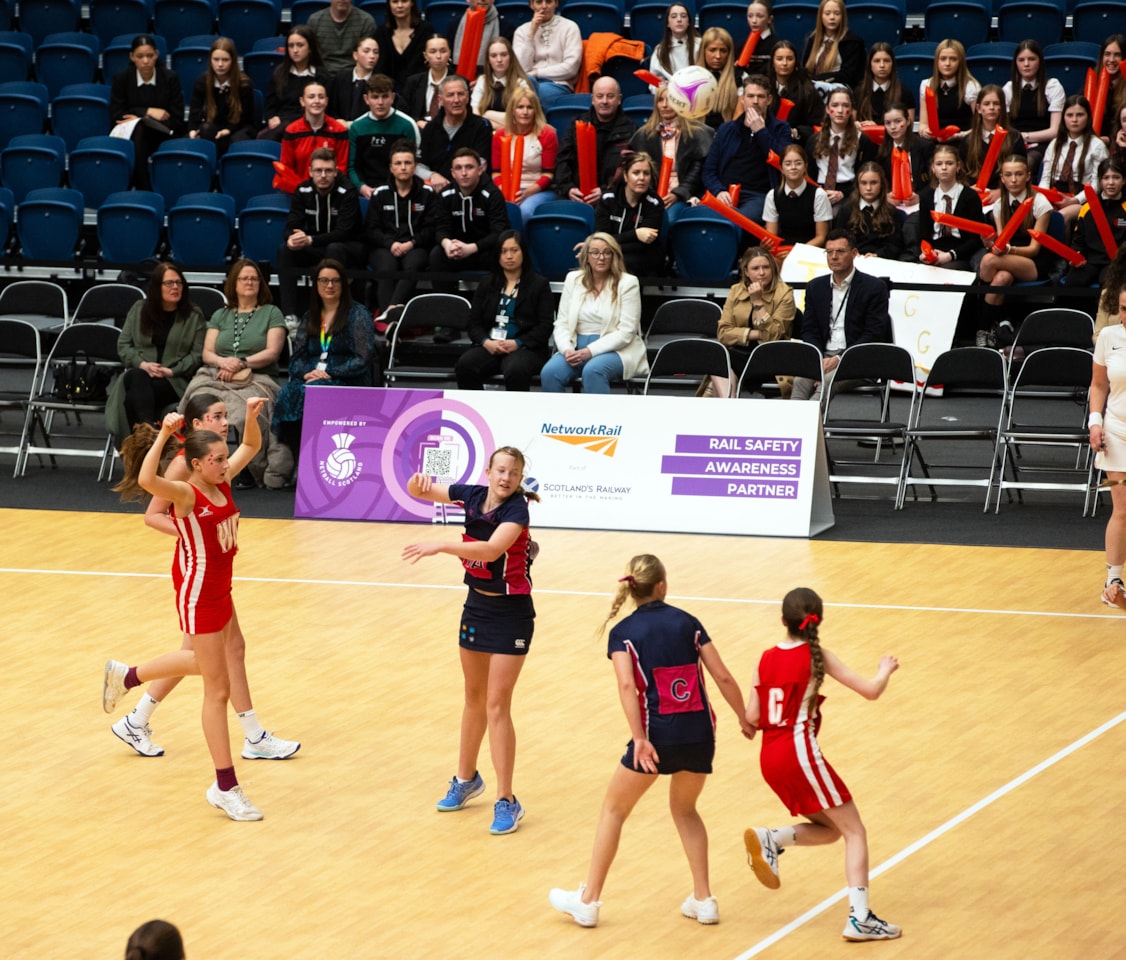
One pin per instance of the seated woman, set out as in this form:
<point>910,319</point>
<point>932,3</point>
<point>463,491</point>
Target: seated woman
<point>632,213</point>
<point>1086,238</point>
<point>759,307</point>
<point>222,107</point>
<point>402,39</point>
<point>502,78</point>
<point>952,248</point>
<point>679,43</point>
<point>1073,157</point>
<point>598,324</point>
<point>148,96</point>
<point>667,134</point>
<point>989,114</point>
<point>240,360</point>
<point>955,91</point>
<point>797,211</point>
<point>301,62</point>
<point>332,348</point>
<point>550,49</point>
<point>511,321</point>
<point>876,224</point>
<point>523,117</point>
<point>160,345</point>
<point>881,87</point>
<point>1034,101</point>
<point>898,135</point>
<point>760,17</point>
<point>832,52</point>
<point>791,82</point>
<point>717,54</point>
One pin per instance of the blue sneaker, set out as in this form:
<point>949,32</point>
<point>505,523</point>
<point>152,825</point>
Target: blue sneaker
<point>460,794</point>
<point>507,815</point>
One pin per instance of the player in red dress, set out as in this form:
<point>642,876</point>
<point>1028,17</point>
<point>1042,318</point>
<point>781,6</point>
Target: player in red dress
<point>786,706</point>
<point>207,523</point>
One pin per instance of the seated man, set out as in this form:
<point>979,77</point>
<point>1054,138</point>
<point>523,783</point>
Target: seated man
<point>314,130</point>
<point>453,129</point>
<point>323,222</point>
<point>371,136</point>
<point>613,131</point>
<point>338,27</point>
<point>471,215</point>
<point>842,309</point>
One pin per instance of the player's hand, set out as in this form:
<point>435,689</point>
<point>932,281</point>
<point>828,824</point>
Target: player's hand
<point>645,756</point>
<point>254,406</point>
<point>888,665</point>
<point>419,484</point>
<point>416,551</point>
<point>172,422</point>
<point>748,728</point>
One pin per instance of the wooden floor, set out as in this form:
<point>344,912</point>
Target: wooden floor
<point>1007,660</point>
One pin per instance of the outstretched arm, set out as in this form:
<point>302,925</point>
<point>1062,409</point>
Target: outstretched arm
<point>486,550</point>
<point>251,437</point>
<point>869,688</point>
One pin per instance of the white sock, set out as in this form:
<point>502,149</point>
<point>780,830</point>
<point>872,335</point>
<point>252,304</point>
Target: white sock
<point>250,726</point>
<point>858,902</point>
<point>784,836</point>
<point>144,710</point>
<point>1113,571</point>
<point>459,780</point>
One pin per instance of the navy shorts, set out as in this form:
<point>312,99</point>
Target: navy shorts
<point>497,624</point>
<point>677,757</point>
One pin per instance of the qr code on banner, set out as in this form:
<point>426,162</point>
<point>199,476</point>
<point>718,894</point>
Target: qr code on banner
<point>438,462</point>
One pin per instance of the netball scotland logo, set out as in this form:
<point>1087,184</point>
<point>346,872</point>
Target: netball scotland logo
<point>341,468</point>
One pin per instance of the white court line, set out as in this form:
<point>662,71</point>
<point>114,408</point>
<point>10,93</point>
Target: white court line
<point>934,835</point>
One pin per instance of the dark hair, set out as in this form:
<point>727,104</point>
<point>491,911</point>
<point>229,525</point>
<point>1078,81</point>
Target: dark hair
<point>144,40</point>
<point>526,264</point>
<point>1111,163</point>
<point>380,83</point>
<point>1088,135</point>
<point>281,72</point>
<point>864,94</point>
<point>316,304</point>
<point>322,153</point>
<point>198,443</point>
<point>802,612</point>
<point>760,80</point>
<point>975,145</point>
<point>909,136</point>
<point>238,82</point>
<point>402,145</point>
<point>315,81</point>
<point>155,940</point>
<point>466,152</point>
<point>840,233</point>
<point>850,139</point>
<point>153,306</point>
<point>415,15</point>
<point>799,88</point>
<point>1017,81</point>
<point>691,38</point>
<point>1114,283</point>
<point>230,286</point>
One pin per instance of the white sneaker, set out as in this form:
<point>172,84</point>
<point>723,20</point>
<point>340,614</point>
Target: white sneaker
<point>233,803</point>
<point>871,929</point>
<point>571,903</point>
<point>762,855</point>
<point>113,684</point>
<point>139,738</point>
<point>702,911</point>
<point>1113,592</point>
<point>269,747</point>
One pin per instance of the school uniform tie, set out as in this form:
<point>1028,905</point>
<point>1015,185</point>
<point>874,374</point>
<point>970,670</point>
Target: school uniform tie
<point>432,110</point>
<point>824,64</point>
<point>1067,172</point>
<point>834,162</point>
<point>1029,88</point>
<point>949,204</point>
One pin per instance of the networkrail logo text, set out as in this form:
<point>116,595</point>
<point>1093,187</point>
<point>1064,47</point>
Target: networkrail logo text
<point>595,437</point>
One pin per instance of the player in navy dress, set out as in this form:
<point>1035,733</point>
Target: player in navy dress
<point>657,653</point>
<point>786,706</point>
<point>496,622</point>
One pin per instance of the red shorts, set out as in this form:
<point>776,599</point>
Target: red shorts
<point>794,769</point>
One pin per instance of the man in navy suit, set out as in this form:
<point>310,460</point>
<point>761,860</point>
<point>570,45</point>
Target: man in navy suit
<point>843,309</point>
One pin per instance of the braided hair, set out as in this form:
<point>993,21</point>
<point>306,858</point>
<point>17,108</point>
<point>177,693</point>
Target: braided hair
<point>802,611</point>
<point>643,573</point>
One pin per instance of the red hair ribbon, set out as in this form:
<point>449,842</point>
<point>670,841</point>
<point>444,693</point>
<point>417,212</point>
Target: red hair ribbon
<point>628,578</point>
<point>808,619</point>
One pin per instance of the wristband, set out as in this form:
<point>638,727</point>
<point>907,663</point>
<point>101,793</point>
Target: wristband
<point>543,182</point>
<point>1094,420</point>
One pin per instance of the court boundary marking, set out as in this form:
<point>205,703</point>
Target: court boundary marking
<point>944,828</point>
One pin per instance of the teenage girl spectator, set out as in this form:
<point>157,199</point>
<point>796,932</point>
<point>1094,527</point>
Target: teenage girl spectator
<point>839,147</point>
<point>155,940</point>
<point>989,114</point>
<point>1086,238</point>
<point>206,520</point>
<point>401,39</point>
<point>1023,260</point>
<point>881,87</point>
<point>332,348</point>
<point>796,210</point>
<point>302,62</point>
<point>679,45</point>
<point>1117,145</point>
<point>149,96</point>
<point>502,78</point>
<point>421,92</point>
<point>598,323</point>
<point>524,118</point>
<point>632,214</point>
<point>760,17</point>
<point>717,54</point>
<point>347,88</point>
<point>1073,157</point>
<point>790,81</point>
<point>667,134</point>
<point>222,107</point>
<point>490,33</point>
<point>510,323</point>
<point>948,193</point>
<point>786,704</point>
<point>496,622</point>
<point>1110,60</point>
<point>954,88</point>
<point>1034,101</point>
<point>550,49</point>
<point>671,733</point>
<point>833,53</point>
<point>314,130</point>
<point>899,135</point>
<point>160,346</point>
<point>875,223</point>
<point>203,412</point>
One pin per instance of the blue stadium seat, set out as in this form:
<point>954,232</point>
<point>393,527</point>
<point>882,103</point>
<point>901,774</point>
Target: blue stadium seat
<point>732,17</point>
<point>512,14</point>
<point>177,19</point>
<point>704,246</point>
<point>49,223</point>
<point>268,148</point>
<point>41,17</point>
<point>622,70</point>
<point>177,169</point>
<point>259,66</point>
<point>551,240</point>
<point>62,59</point>
<point>515,216</point>
<point>200,227</point>
<point>639,107</point>
<point>967,21</point>
<point>566,109</point>
<point>23,109</point>
<point>1068,63</point>
<point>101,166</point>
<point>795,20</point>
<point>245,21</point>
<point>991,62</point>
<point>570,207</point>
<point>275,44</point>
<point>301,10</point>
<point>6,16</point>
<point>647,21</point>
<point>261,227</point>
<point>914,62</point>
<point>595,16</point>
<point>115,56</point>
<point>1023,19</point>
<point>246,174</point>
<point>112,18</point>
<point>15,57</point>
<point>876,20</point>
<point>191,58</point>
<point>32,161</point>
<point>1094,20</point>
<point>129,226</point>
<point>80,110</point>
<point>443,15</point>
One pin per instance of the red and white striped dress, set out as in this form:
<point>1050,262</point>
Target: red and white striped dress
<point>202,565</point>
<point>791,759</point>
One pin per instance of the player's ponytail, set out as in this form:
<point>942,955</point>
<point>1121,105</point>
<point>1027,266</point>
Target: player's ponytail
<point>802,612</point>
<point>643,573</point>
<point>132,453</point>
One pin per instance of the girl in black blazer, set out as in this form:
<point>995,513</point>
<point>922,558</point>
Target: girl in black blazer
<point>222,107</point>
<point>955,248</point>
<point>898,134</point>
<point>511,321</point>
<point>150,93</point>
<point>834,53</point>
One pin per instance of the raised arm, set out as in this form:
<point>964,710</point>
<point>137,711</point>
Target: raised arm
<point>868,688</point>
<point>251,437</point>
<point>179,493</point>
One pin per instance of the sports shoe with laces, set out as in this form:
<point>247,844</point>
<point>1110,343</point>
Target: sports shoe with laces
<point>269,747</point>
<point>139,738</point>
<point>113,684</point>
<point>460,793</point>
<point>872,928</point>
<point>762,856</point>
<point>702,911</point>
<point>233,803</point>
<point>1114,588</point>
<point>507,815</point>
<point>571,903</point>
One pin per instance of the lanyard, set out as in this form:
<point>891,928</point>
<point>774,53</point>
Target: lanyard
<point>326,338</point>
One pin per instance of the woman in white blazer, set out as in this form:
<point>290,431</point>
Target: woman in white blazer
<point>598,324</point>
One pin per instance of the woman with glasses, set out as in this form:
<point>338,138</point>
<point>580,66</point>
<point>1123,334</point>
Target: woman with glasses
<point>332,348</point>
<point>241,348</point>
<point>598,324</point>
<point>160,346</point>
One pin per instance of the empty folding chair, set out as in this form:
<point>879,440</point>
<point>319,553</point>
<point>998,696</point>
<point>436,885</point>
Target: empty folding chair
<point>200,228</point>
<point>80,110</point>
<point>130,224</point>
<point>107,303</point>
<point>778,358</point>
<point>687,317</point>
<point>421,357</point>
<point>41,303</point>
<point>680,364</point>
<point>32,161</point>
<point>49,224</point>
<point>20,363</point>
<point>101,166</point>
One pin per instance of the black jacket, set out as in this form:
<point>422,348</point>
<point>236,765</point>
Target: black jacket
<point>478,218</point>
<point>533,314</point>
<point>331,218</point>
<point>690,154</point>
<point>612,140</point>
<point>866,317</point>
<point>853,54</point>
<point>968,206</point>
<point>126,97</point>
<point>392,218</point>
<point>197,112</point>
<point>437,148</point>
